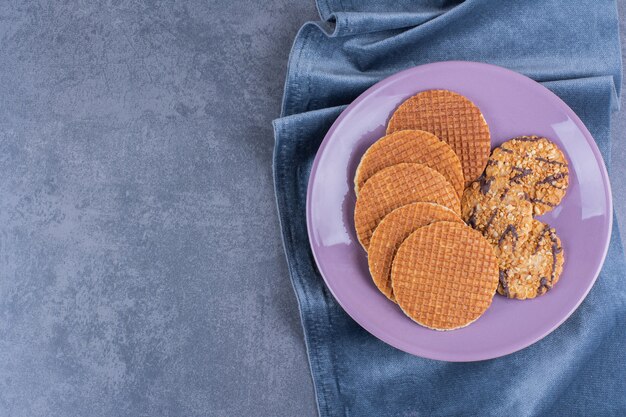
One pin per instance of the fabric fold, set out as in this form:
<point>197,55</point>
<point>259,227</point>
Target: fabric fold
<point>534,37</point>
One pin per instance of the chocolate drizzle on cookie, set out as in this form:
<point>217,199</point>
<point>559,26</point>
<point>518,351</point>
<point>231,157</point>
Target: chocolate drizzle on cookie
<point>485,184</point>
<point>528,138</point>
<point>536,200</point>
<point>513,231</point>
<point>521,173</point>
<point>551,179</point>
<point>547,161</point>
<point>543,286</point>
<point>490,220</point>
<point>471,221</point>
<point>555,249</point>
<point>546,229</point>
<point>540,201</point>
<point>531,164</point>
<point>503,283</point>
<point>491,162</point>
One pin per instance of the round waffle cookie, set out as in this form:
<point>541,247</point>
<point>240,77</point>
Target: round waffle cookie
<point>414,146</point>
<point>453,119</point>
<point>394,187</point>
<point>533,268</point>
<point>392,231</point>
<point>498,211</point>
<point>536,166</point>
<point>444,275</point>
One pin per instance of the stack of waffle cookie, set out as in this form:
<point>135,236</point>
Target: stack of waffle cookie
<point>424,212</point>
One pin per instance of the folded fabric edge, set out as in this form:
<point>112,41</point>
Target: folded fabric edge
<point>323,9</point>
<point>331,14</point>
<point>618,82</point>
<point>293,65</point>
<point>278,125</point>
<point>296,88</point>
<point>605,80</point>
<point>319,355</point>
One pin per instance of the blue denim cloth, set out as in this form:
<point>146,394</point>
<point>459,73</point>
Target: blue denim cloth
<point>572,47</point>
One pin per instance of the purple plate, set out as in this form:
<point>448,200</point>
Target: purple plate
<point>513,105</point>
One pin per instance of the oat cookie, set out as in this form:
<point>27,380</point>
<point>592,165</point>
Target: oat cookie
<point>534,267</point>
<point>414,146</point>
<point>444,275</point>
<point>498,211</point>
<point>536,166</point>
<point>392,231</point>
<point>394,187</point>
<point>454,119</point>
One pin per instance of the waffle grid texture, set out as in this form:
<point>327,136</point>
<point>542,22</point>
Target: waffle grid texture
<point>395,187</point>
<point>412,146</point>
<point>393,230</point>
<point>444,275</point>
<point>452,118</point>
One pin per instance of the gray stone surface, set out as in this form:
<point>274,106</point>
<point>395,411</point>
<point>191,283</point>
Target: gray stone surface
<point>141,269</point>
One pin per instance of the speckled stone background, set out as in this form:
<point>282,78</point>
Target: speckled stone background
<point>141,268</point>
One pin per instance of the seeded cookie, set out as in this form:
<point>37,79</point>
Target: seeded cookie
<point>536,166</point>
<point>444,275</point>
<point>454,119</point>
<point>394,187</point>
<point>498,211</point>
<point>392,231</point>
<point>533,267</point>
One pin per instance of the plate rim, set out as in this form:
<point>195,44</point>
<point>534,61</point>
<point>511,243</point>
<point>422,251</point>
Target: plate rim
<point>407,347</point>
